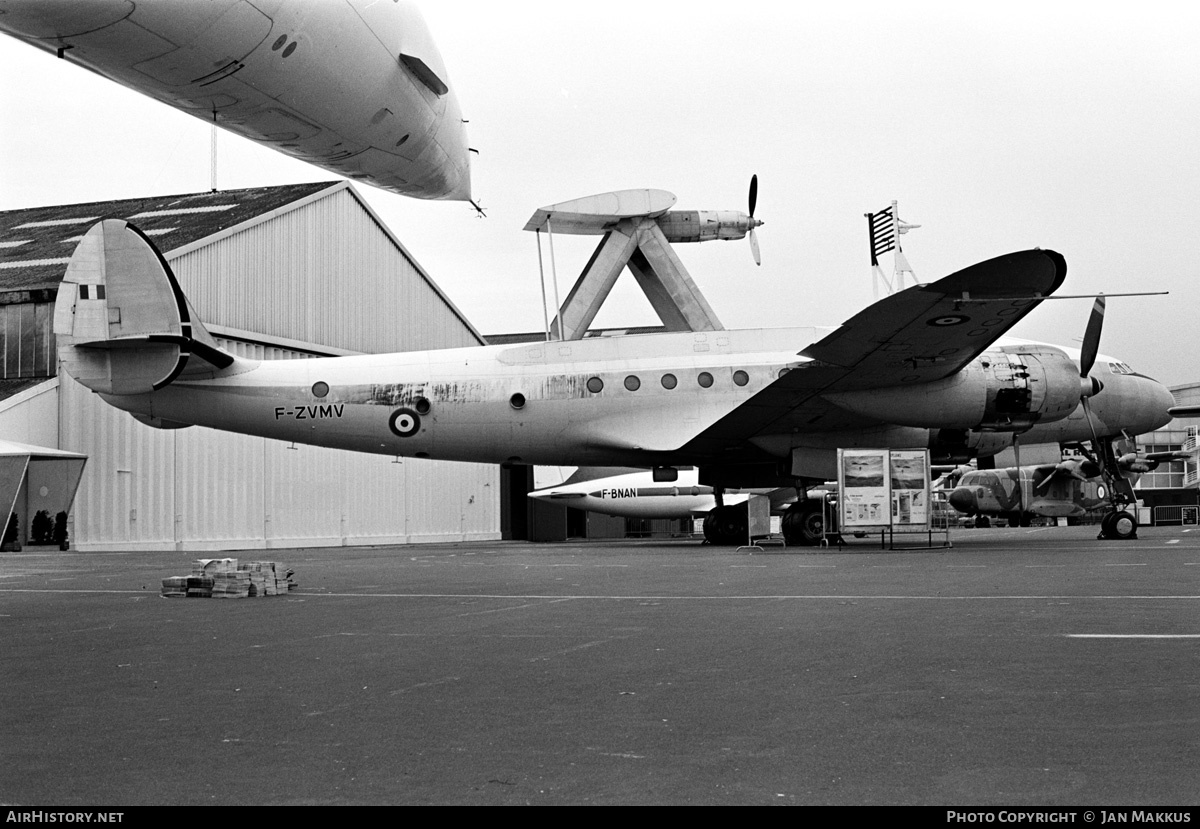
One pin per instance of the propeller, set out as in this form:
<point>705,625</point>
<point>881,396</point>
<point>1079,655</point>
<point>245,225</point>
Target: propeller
<point>1081,470</point>
<point>1087,358</point>
<point>754,222</point>
<point>1119,488</point>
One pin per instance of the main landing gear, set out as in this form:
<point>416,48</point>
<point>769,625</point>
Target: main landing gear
<point>804,523</point>
<point>726,525</point>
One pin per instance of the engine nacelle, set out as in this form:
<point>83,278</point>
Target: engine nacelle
<point>705,225</point>
<point>959,446</point>
<point>1006,389</point>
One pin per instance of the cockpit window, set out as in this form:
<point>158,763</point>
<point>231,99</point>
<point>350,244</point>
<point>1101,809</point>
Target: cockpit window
<point>1119,368</point>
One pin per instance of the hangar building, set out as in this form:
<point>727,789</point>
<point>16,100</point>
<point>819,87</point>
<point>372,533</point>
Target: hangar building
<point>287,273</point>
<point>1172,491</point>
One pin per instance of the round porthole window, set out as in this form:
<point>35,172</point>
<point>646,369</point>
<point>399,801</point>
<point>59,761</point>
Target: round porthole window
<point>740,378</point>
<point>422,405</point>
<point>633,383</point>
<point>704,379</point>
<point>595,385</point>
<point>669,381</point>
<point>517,401</point>
<point>320,388</point>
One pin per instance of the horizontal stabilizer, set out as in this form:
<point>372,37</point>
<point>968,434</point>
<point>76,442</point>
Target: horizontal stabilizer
<point>122,323</point>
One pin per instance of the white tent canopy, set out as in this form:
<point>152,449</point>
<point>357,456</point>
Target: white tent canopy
<point>50,476</point>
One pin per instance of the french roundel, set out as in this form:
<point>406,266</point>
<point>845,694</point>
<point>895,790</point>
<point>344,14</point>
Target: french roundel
<point>948,320</point>
<point>405,423</point>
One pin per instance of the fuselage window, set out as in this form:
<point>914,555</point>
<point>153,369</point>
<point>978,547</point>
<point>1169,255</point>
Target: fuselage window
<point>320,389</point>
<point>704,379</point>
<point>741,378</point>
<point>633,383</point>
<point>595,385</point>
<point>669,381</point>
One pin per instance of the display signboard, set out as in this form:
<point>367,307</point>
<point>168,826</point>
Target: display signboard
<point>881,488</point>
<point>910,488</point>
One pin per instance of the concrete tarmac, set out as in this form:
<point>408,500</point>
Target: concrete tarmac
<point>1023,667</point>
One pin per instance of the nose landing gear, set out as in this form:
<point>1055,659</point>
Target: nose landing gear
<point>1119,525</point>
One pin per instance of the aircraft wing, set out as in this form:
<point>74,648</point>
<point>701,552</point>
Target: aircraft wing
<point>919,335</point>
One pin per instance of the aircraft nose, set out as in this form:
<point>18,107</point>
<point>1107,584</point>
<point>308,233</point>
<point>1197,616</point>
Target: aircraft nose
<point>1163,400</point>
<point>963,500</point>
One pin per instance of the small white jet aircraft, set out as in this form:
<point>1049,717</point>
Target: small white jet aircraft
<point>354,86</point>
<point>752,409</point>
<point>637,495</point>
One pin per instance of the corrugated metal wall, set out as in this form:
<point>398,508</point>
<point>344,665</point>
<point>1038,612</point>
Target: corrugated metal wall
<point>321,273</point>
<point>200,489</point>
<point>324,273</point>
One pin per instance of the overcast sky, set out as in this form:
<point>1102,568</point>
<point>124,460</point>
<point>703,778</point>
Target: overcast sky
<point>1071,126</point>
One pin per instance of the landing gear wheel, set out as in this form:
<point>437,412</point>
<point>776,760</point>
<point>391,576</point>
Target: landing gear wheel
<point>804,524</point>
<point>1119,525</point>
<point>726,525</point>
<point>983,521</point>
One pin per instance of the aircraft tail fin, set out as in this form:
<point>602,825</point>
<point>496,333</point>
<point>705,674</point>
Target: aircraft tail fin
<point>122,323</point>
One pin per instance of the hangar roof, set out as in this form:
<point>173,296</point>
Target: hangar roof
<point>37,242</point>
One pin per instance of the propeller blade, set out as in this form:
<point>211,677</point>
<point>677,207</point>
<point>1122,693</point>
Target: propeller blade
<point>754,247</point>
<point>1091,338</point>
<point>1087,411</point>
<point>753,193</point>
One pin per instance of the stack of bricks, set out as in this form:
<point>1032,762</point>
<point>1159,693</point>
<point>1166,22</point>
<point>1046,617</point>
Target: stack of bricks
<point>223,578</point>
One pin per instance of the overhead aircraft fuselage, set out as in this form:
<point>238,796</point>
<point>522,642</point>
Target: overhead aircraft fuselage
<point>355,87</point>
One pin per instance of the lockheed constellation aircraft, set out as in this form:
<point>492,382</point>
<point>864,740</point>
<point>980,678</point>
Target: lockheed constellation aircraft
<point>355,87</point>
<point>767,408</point>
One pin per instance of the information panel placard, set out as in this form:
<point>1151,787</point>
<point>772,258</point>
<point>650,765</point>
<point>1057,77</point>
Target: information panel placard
<point>864,497</point>
<point>881,488</point>
<point>910,488</point>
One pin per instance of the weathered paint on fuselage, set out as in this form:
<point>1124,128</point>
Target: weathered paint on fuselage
<point>532,403</point>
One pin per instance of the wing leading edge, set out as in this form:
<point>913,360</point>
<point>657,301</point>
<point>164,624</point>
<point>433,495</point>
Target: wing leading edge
<point>920,335</point>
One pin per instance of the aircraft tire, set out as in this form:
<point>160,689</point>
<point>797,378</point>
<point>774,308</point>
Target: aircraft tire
<point>982,522</point>
<point>803,524</point>
<point>725,526</point>
<point>1119,525</point>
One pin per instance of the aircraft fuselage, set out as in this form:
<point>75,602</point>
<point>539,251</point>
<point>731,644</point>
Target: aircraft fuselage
<point>633,401</point>
<point>355,87</point>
